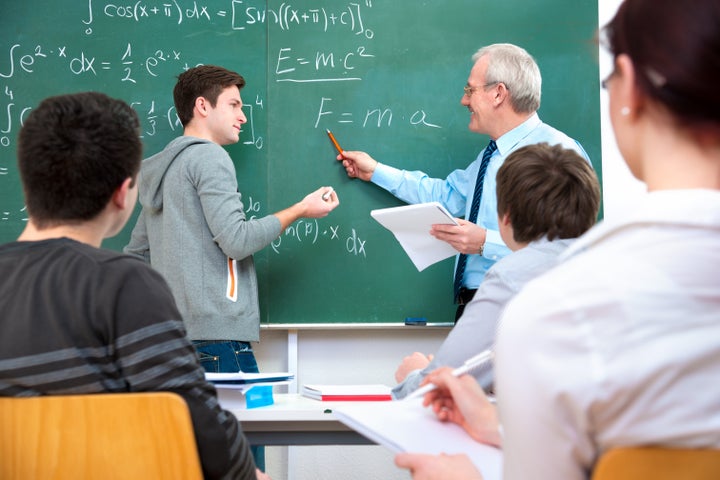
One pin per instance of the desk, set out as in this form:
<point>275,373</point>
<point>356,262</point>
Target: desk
<point>292,420</point>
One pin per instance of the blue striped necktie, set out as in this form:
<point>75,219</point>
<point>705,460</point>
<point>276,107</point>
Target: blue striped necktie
<point>474,207</point>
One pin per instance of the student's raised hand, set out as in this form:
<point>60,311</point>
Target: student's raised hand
<point>358,164</point>
<point>412,362</point>
<point>466,237</point>
<point>438,467</point>
<point>461,400</point>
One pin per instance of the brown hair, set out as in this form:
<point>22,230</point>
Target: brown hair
<point>206,81</point>
<point>547,191</point>
<point>675,48</point>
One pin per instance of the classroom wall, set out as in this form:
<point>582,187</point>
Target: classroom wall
<point>619,186</point>
<point>371,356</point>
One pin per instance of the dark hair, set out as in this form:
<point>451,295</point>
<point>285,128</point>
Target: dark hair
<point>675,48</point>
<point>206,81</point>
<point>74,151</point>
<point>547,191</point>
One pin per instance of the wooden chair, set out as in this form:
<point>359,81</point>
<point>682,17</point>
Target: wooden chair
<point>108,436</point>
<point>658,463</point>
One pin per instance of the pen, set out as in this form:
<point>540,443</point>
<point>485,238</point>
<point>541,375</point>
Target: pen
<point>326,195</point>
<point>332,137</point>
<point>470,364</point>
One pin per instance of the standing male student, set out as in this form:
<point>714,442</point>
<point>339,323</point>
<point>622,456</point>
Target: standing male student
<point>193,228</point>
<point>547,197</point>
<point>77,319</point>
<point>502,95</point>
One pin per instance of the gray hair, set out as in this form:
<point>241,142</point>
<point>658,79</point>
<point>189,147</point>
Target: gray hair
<point>516,68</point>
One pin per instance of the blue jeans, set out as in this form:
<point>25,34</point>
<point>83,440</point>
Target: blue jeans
<point>229,356</point>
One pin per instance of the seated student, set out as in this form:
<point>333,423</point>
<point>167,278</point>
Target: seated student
<point>618,345</point>
<point>547,196</point>
<point>77,319</point>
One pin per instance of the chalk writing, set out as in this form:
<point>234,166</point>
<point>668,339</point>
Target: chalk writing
<point>355,245</point>
<point>344,63</point>
<point>7,216</point>
<point>238,17</point>
<point>288,17</point>
<point>81,62</point>
<point>254,139</point>
<point>14,115</point>
<point>140,11</point>
<point>372,117</point>
<point>310,232</point>
<point>26,61</point>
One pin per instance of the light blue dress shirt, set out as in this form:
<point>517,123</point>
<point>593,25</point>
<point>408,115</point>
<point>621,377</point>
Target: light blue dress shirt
<point>455,192</point>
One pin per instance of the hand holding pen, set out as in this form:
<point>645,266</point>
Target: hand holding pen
<point>462,401</point>
<point>470,365</point>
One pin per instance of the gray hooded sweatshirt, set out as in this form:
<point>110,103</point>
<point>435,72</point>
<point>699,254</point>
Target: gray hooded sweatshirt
<point>192,229</point>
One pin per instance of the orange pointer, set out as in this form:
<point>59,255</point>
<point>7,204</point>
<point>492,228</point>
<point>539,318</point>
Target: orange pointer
<point>332,138</point>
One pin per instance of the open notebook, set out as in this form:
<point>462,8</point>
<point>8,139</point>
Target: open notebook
<point>407,426</point>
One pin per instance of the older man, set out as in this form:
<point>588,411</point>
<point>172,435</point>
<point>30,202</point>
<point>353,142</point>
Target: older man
<point>502,95</point>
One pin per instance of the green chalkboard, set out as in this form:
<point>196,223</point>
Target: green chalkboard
<point>384,76</point>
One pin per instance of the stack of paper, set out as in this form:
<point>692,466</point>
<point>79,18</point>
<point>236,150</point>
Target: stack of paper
<point>247,390</point>
<point>240,379</point>
<point>339,393</point>
<point>411,226</point>
<point>406,426</point>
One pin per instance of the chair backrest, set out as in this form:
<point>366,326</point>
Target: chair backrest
<point>658,463</point>
<point>108,436</point>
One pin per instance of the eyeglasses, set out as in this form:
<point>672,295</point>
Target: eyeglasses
<point>470,90</point>
<point>656,79</point>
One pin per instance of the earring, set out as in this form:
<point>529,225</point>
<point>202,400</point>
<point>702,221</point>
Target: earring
<point>625,111</point>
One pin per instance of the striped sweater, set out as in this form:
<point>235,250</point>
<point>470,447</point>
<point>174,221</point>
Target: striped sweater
<point>76,320</point>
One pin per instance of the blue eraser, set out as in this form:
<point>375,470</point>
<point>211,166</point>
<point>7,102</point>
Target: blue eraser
<point>415,321</point>
<point>259,396</point>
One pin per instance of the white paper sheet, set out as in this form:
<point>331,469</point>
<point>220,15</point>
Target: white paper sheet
<point>411,226</point>
<point>407,426</point>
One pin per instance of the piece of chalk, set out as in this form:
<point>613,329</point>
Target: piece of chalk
<point>328,192</point>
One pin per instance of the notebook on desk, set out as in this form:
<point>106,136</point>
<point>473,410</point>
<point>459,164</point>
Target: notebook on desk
<point>351,393</point>
<point>407,426</point>
<point>247,390</point>
<point>244,378</point>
